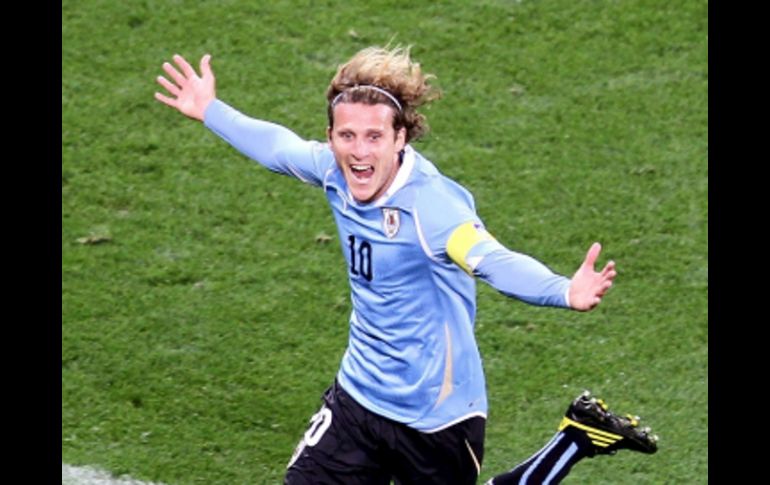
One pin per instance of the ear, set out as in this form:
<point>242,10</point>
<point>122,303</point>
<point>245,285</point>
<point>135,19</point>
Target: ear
<point>329,133</point>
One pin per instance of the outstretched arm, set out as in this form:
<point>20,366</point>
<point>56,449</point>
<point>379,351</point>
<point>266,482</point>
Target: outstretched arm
<point>274,146</point>
<point>589,286</point>
<point>520,276</point>
<point>190,94</point>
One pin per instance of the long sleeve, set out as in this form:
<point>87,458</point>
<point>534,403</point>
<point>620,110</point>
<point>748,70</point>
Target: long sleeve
<point>273,146</point>
<point>513,274</point>
<point>523,277</point>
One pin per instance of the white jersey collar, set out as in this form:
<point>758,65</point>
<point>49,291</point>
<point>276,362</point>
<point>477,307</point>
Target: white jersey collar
<point>404,171</point>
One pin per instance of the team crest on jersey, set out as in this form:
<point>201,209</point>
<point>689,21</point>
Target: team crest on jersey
<point>391,221</point>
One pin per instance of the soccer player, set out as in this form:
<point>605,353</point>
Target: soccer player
<point>409,401</point>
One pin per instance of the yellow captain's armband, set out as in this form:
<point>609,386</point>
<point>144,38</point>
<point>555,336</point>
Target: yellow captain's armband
<point>463,238</point>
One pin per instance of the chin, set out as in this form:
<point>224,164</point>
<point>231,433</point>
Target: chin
<point>363,198</point>
<point>362,194</point>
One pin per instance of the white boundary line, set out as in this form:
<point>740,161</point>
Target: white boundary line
<point>86,475</point>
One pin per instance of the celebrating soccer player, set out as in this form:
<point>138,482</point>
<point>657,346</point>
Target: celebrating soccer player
<point>409,402</point>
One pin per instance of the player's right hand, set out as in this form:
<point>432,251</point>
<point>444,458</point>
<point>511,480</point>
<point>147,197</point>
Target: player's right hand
<point>190,94</point>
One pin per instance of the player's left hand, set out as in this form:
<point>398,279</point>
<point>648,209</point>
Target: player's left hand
<point>589,286</point>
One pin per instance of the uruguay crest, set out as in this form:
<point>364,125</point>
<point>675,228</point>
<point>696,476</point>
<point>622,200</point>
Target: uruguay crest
<point>391,221</point>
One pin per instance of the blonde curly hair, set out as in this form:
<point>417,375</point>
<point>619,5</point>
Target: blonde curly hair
<point>391,70</point>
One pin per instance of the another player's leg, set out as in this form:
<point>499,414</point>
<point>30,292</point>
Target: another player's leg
<point>587,429</point>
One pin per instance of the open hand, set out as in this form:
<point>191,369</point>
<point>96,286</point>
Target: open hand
<point>190,93</point>
<point>589,286</point>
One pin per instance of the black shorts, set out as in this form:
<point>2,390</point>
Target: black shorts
<point>348,444</point>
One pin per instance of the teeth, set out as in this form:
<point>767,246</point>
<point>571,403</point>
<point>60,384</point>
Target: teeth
<point>360,168</point>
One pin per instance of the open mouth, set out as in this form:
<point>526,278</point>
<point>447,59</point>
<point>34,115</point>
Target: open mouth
<point>362,173</point>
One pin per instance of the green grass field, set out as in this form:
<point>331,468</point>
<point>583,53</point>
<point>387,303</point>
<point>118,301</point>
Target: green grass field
<point>198,335</point>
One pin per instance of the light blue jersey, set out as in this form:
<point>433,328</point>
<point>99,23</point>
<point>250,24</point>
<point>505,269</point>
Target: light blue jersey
<point>411,257</point>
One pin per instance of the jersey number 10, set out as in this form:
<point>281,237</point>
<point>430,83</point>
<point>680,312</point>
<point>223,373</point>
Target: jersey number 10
<point>364,258</point>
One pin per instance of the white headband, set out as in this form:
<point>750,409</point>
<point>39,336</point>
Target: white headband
<point>369,86</point>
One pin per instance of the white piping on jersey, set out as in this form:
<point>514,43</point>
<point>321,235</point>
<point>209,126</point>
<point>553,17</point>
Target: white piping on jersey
<point>326,175</point>
<point>446,387</point>
<point>478,414</point>
<point>421,236</point>
<point>339,192</point>
<point>402,176</point>
<point>297,174</point>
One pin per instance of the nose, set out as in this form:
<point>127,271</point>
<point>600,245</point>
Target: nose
<point>360,149</point>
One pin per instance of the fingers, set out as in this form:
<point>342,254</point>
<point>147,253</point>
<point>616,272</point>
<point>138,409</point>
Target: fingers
<point>174,74</point>
<point>606,276</point>
<point>187,70</point>
<point>206,66</point>
<point>170,87</point>
<point>609,268</point>
<point>184,65</point>
<point>589,305</point>
<point>593,254</point>
<point>165,100</point>
<point>603,288</point>
<point>609,272</point>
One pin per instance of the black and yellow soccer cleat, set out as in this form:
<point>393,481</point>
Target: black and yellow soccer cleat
<point>608,432</point>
